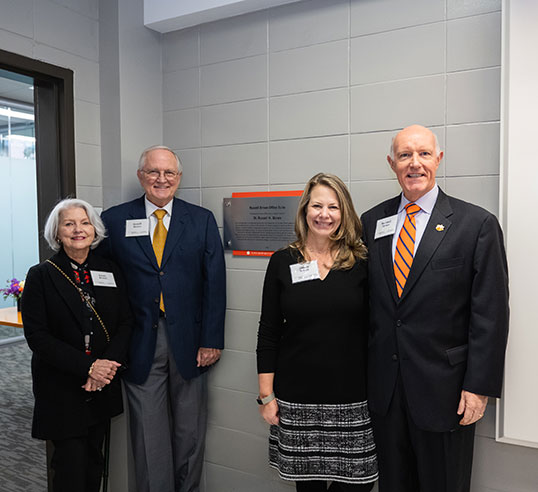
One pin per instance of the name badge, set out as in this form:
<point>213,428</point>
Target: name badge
<point>136,227</point>
<point>103,279</point>
<point>301,272</point>
<point>386,226</point>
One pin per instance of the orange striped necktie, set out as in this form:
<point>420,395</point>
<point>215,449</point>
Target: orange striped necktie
<point>405,247</point>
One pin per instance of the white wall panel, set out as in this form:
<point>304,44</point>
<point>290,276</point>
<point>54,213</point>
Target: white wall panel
<point>233,123</point>
<point>298,24</point>
<point>392,105</point>
<point>474,96</point>
<point>386,56</point>
<point>463,8</point>
<point>322,66</point>
<point>368,17</point>
<point>297,161</point>
<point>235,80</point>
<point>483,33</point>
<point>518,409</point>
<point>181,89</point>
<point>310,114</point>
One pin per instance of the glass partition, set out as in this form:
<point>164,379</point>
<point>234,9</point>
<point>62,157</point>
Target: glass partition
<point>18,186</point>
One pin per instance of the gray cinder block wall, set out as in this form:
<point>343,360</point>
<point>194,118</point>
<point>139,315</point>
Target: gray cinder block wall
<point>266,100</point>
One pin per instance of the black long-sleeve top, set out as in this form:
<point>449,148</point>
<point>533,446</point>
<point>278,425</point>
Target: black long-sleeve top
<point>313,334</point>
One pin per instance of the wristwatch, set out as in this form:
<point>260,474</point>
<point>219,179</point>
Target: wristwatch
<point>266,399</point>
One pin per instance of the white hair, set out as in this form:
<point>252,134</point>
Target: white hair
<point>53,222</point>
<point>437,148</point>
<point>144,154</point>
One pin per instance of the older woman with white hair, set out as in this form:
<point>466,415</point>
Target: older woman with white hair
<point>77,322</point>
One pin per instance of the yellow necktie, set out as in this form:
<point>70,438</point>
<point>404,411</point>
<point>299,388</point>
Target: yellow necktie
<point>159,239</point>
<point>405,247</point>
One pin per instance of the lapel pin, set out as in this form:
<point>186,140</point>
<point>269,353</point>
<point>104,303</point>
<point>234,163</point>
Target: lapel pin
<point>440,227</point>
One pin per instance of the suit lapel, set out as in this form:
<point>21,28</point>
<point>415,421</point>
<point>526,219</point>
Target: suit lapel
<point>138,211</point>
<point>385,250</point>
<point>67,291</point>
<point>430,241</point>
<point>178,222</point>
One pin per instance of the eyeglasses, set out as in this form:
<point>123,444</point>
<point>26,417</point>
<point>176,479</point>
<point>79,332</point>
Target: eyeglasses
<point>153,174</point>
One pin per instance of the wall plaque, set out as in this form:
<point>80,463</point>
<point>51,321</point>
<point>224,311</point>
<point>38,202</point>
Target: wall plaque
<point>257,224</point>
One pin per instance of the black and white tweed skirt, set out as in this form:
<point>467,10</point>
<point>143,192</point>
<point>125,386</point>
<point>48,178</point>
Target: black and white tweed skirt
<point>323,442</point>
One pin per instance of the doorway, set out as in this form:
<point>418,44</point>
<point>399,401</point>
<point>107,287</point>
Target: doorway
<point>37,159</point>
<point>18,186</point>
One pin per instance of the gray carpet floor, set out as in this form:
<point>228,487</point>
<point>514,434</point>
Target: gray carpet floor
<point>22,459</point>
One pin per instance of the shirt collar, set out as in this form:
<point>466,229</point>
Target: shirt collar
<point>425,202</point>
<point>151,207</point>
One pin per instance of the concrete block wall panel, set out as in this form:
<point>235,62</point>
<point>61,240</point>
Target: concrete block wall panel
<point>181,89</point>
<point>191,161</point>
<point>234,123</point>
<point>181,128</point>
<point>482,32</point>
<point>234,80</point>
<point>323,86</point>
<point>191,195</point>
<point>310,114</point>
<point>310,68</point>
<point>295,161</point>
<point>299,24</point>
<point>388,15</point>
<point>473,96</point>
<point>233,38</point>
<point>472,150</point>
<point>464,8</point>
<point>231,164</point>
<point>65,33</point>
<point>401,54</point>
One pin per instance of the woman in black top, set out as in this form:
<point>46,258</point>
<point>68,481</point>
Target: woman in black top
<point>77,322</point>
<point>312,345</point>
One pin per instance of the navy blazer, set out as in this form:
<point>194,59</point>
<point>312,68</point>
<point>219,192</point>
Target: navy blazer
<point>191,278</point>
<point>448,330</point>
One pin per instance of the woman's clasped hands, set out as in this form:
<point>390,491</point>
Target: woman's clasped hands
<point>101,373</point>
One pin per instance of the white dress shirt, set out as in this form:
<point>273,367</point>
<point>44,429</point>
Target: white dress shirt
<point>426,204</point>
<point>152,220</point>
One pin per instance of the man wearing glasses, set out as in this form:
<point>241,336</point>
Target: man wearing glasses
<point>171,255</point>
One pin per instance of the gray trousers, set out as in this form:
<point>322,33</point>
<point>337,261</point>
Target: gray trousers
<point>168,419</point>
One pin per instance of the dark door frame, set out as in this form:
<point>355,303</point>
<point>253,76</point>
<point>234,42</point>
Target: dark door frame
<point>55,132</point>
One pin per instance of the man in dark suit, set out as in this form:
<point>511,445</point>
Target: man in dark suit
<point>171,255</point>
<point>438,323</point>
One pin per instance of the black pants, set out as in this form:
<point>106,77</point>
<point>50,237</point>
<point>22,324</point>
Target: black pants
<point>77,462</point>
<point>411,459</point>
<point>321,486</point>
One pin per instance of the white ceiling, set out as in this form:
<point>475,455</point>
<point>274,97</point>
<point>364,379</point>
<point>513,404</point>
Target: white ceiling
<point>172,15</point>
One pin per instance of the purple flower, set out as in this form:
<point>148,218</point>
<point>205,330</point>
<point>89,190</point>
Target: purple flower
<point>14,289</point>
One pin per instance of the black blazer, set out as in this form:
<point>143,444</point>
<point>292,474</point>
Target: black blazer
<point>448,331</point>
<point>52,313</point>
